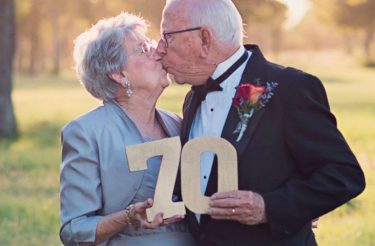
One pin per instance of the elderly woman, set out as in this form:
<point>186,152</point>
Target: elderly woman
<point>101,201</point>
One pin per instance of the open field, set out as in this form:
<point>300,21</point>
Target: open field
<point>29,166</point>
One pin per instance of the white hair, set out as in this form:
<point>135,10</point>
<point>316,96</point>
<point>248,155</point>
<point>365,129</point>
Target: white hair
<point>221,16</point>
<point>101,51</point>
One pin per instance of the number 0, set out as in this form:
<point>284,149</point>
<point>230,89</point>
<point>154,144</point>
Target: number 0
<point>190,170</point>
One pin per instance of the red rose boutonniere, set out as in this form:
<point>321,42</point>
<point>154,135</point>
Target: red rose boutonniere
<point>248,99</point>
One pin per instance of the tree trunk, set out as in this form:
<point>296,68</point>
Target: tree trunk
<point>8,126</point>
<point>54,15</point>
<point>34,18</point>
<point>348,43</point>
<point>369,35</point>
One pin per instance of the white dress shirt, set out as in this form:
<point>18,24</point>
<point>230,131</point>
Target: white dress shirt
<point>212,113</point>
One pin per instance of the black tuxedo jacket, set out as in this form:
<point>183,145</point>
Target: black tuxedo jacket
<point>291,153</point>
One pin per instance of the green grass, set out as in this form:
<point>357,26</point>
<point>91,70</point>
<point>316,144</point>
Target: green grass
<point>29,166</point>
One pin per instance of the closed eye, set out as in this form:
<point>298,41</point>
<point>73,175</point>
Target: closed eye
<point>145,48</point>
<point>168,37</point>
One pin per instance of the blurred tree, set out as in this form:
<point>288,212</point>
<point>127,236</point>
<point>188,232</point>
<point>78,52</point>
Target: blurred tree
<point>46,29</point>
<point>8,126</point>
<point>34,22</point>
<point>151,11</point>
<point>350,15</point>
<point>54,15</point>
<point>310,34</point>
<point>29,18</point>
<point>269,13</point>
<point>267,16</point>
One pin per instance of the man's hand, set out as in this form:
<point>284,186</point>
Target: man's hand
<point>246,207</point>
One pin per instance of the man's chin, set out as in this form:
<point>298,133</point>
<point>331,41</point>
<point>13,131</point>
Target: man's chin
<point>175,80</point>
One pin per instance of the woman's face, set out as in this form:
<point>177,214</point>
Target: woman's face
<point>143,67</point>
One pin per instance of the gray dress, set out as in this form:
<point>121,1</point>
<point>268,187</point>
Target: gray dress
<point>95,179</point>
<point>173,234</point>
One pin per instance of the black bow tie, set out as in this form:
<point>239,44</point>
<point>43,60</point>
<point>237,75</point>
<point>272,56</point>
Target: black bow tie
<point>214,84</point>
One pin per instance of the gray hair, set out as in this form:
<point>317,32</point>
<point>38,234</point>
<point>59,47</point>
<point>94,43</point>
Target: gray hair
<point>221,16</point>
<point>100,51</point>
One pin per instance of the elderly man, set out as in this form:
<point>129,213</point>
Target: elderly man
<point>293,163</point>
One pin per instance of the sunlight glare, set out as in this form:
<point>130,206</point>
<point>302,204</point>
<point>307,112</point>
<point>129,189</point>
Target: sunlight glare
<point>296,10</point>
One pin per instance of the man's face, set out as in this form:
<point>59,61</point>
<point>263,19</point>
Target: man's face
<point>181,50</point>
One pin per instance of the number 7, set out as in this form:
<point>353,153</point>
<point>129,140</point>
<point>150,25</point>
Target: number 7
<point>170,149</point>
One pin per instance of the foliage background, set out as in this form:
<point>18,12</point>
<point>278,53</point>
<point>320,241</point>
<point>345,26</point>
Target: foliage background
<point>47,95</point>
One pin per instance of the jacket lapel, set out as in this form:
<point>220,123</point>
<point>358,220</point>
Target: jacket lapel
<point>190,107</point>
<point>255,68</point>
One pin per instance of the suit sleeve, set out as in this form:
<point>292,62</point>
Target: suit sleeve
<point>329,172</point>
<point>80,186</point>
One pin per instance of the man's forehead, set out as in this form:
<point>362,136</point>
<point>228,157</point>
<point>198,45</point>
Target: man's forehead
<point>172,22</point>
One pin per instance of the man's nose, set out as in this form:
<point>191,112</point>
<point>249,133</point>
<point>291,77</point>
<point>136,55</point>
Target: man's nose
<point>161,49</point>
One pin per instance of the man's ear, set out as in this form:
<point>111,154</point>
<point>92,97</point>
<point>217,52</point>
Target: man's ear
<point>116,77</point>
<point>207,41</point>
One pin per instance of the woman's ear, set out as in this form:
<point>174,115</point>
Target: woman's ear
<point>116,77</point>
<point>207,41</point>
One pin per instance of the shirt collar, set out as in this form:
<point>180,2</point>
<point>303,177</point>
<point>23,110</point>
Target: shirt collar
<point>225,65</point>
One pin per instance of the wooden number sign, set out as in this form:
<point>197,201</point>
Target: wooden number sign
<point>190,170</point>
<point>170,150</point>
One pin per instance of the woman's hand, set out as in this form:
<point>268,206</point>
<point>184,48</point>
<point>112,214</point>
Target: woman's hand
<point>139,219</point>
<point>135,214</point>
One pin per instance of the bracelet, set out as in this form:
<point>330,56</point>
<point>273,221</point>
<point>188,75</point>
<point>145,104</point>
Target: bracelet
<point>128,211</point>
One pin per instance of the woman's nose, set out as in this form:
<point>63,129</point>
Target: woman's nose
<point>152,50</point>
<point>155,55</point>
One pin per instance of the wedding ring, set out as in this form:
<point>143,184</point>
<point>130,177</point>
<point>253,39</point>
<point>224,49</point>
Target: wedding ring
<point>233,210</point>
